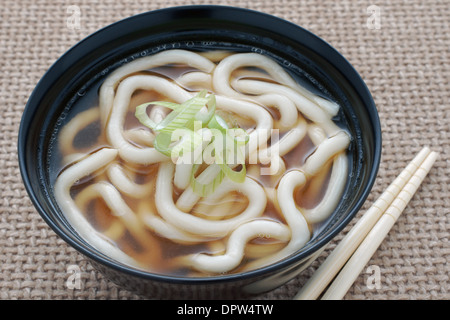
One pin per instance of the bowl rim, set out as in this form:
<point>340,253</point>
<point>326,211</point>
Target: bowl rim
<point>277,24</point>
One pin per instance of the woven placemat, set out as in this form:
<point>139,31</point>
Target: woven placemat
<point>401,49</point>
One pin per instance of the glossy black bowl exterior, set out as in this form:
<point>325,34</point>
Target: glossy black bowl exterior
<point>193,27</point>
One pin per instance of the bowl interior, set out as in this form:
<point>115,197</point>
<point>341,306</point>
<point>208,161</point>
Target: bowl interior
<point>309,59</point>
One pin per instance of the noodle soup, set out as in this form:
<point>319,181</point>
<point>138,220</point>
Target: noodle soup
<point>200,163</point>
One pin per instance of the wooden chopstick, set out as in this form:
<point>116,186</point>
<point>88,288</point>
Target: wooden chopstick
<point>367,233</point>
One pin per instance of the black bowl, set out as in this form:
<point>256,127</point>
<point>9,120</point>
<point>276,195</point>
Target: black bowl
<point>313,61</point>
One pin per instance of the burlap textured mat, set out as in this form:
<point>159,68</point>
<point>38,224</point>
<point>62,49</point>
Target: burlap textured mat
<point>401,49</point>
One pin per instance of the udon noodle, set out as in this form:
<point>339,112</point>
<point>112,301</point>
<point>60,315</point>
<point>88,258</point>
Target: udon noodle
<point>138,205</point>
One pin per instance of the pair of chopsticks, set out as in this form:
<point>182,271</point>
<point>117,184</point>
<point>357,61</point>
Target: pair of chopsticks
<point>347,260</point>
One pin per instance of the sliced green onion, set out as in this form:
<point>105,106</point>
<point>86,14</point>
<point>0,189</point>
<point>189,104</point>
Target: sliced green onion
<point>176,137</point>
<point>231,155</point>
<point>236,176</point>
<point>167,104</point>
<point>142,116</point>
<point>206,118</point>
<point>178,143</point>
<point>162,143</point>
<point>205,189</point>
<point>183,116</point>
<point>228,147</point>
<point>187,143</point>
<point>218,123</point>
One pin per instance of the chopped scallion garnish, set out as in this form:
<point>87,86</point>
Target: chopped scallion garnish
<point>178,134</point>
